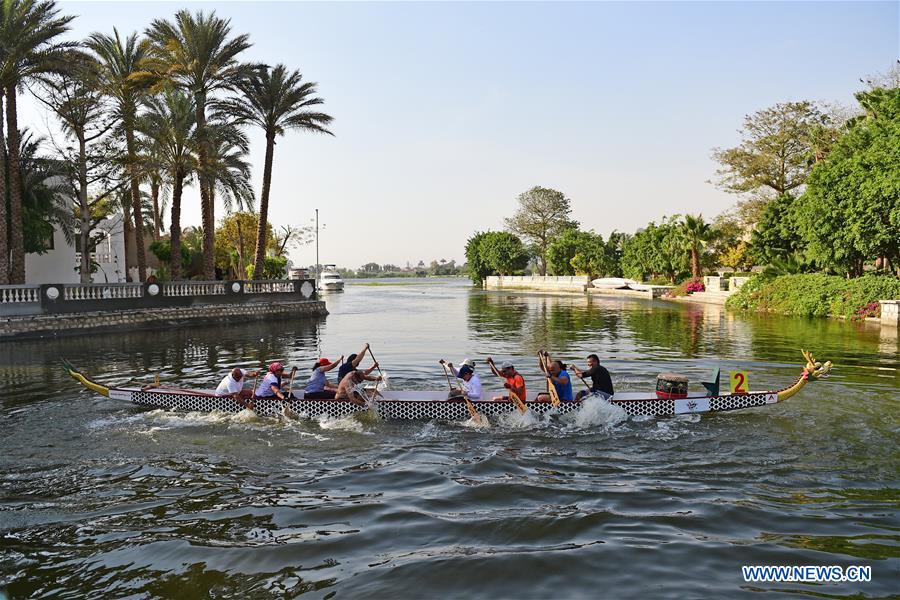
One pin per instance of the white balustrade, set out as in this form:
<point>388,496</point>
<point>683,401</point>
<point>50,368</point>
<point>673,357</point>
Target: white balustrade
<point>19,294</point>
<point>269,287</point>
<point>193,288</point>
<point>101,291</point>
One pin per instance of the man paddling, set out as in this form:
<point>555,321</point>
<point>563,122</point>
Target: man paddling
<point>514,382</point>
<point>233,385</point>
<point>348,387</point>
<point>556,376</point>
<point>471,381</point>
<point>601,382</point>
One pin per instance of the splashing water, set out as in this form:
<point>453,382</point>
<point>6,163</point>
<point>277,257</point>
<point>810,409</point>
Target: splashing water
<point>482,423</point>
<point>517,420</point>
<point>596,411</point>
<point>344,423</point>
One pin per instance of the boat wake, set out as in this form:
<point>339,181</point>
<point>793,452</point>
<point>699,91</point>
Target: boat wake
<point>516,420</point>
<point>596,412</point>
<point>344,423</point>
<point>482,423</point>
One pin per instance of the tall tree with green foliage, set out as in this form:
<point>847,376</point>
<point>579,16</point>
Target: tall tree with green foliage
<point>542,216</point>
<point>197,54</point>
<point>657,251</point>
<point>476,265</point>
<point>696,234</point>
<point>504,252</point>
<point>170,125</point>
<point>562,249</point>
<point>775,236</point>
<point>121,64</point>
<point>850,212</point>
<point>30,47</point>
<point>276,100</point>
<point>777,150</point>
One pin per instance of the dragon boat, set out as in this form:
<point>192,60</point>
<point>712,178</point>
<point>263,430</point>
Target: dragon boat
<point>671,398</point>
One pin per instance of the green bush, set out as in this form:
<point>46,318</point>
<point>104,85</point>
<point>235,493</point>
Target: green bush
<point>813,294</point>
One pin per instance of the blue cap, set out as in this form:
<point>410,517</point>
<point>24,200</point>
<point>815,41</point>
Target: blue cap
<point>465,370</point>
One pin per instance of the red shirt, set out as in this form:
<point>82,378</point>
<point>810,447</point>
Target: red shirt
<point>517,385</point>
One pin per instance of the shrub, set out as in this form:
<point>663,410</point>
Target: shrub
<point>814,294</point>
<point>686,287</point>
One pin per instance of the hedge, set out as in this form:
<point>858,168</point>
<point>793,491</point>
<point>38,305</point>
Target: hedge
<point>814,294</point>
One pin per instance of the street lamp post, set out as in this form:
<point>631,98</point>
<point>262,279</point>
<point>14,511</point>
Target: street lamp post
<point>317,246</point>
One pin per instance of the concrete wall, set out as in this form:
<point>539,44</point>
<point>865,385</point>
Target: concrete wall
<point>890,312</point>
<point>44,326</point>
<point>549,283</point>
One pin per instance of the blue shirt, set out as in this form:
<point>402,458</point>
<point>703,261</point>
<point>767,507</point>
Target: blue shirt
<point>316,381</point>
<point>564,390</point>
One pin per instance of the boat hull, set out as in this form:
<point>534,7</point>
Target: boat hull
<point>405,406</point>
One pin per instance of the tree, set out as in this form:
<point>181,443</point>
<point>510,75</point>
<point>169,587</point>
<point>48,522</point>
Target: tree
<point>234,243</point>
<point>43,207</point>
<point>563,248</point>
<point>504,252</point>
<point>777,150</point>
<point>776,236</point>
<point>196,54</point>
<point>597,258</point>
<point>276,100</point>
<point>656,250</point>
<point>91,167</point>
<point>850,212</point>
<point>696,234</point>
<point>289,236</point>
<point>29,49</point>
<point>120,65</point>
<point>170,125</point>
<point>478,268</point>
<point>543,214</point>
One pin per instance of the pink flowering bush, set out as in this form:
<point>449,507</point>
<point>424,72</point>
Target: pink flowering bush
<point>872,309</point>
<point>694,285</point>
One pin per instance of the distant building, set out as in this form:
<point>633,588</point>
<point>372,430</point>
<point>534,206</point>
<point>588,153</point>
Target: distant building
<point>59,264</point>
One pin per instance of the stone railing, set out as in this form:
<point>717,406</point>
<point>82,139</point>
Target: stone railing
<point>57,298</point>
<point>576,283</point>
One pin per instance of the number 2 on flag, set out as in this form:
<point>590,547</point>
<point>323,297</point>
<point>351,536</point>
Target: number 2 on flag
<point>738,380</point>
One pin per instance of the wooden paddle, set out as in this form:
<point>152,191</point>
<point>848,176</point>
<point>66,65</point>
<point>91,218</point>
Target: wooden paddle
<point>376,393</point>
<point>551,389</point>
<point>291,382</point>
<point>512,394</point>
<point>469,406</point>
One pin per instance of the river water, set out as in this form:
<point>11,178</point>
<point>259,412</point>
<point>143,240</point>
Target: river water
<point>103,499</point>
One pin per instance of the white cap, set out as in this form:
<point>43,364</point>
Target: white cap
<point>469,362</point>
<point>506,365</point>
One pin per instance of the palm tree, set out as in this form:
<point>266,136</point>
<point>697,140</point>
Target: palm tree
<point>121,67</point>
<point>696,233</point>
<point>195,53</point>
<point>276,100</point>
<point>170,125</point>
<point>28,48</point>
<point>229,172</point>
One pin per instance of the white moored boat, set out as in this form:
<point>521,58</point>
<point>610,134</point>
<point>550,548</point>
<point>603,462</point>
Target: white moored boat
<point>330,280</point>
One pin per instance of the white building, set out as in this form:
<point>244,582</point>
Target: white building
<point>58,265</point>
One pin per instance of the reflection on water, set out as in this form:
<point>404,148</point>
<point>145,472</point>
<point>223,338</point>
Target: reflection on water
<point>101,499</point>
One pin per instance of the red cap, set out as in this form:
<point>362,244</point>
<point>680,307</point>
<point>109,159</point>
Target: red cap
<point>323,362</point>
<point>275,366</point>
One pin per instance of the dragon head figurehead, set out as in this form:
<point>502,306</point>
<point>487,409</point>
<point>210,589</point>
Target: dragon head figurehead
<point>814,368</point>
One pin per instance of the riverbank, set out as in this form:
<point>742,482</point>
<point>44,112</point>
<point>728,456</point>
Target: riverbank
<point>97,322</point>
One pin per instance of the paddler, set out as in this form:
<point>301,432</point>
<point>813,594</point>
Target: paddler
<point>233,385</point>
<point>352,363</point>
<point>557,376</point>
<point>601,382</point>
<point>318,387</point>
<point>471,385</point>
<point>348,390</point>
<point>271,383</point>
<point>514,382</point>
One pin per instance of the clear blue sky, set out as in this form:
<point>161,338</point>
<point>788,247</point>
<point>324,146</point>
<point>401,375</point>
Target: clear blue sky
<point>445,112</point>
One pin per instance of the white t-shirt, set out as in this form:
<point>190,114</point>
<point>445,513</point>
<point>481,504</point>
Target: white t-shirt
<point>228,386</point>
<point>473,387</point>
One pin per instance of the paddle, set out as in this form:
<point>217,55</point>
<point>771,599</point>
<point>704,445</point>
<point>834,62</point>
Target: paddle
<point>380,374</point>
<point>291,382</point>
<point>512,394</point>
<point>554,396</point>
<point>469,406</point>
